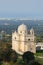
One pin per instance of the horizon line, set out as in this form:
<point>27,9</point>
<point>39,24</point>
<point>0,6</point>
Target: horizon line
<point>11,18</point>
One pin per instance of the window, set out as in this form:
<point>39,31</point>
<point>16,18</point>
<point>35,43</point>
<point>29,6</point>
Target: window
<point>28,39</point>
<point>20,31</point>
<point>15,37</point>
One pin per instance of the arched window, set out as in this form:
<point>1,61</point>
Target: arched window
<point>15,37</point>
<point>28,39</point>
<point>20,31</point>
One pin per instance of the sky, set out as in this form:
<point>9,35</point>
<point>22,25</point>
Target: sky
<point>32,9</point>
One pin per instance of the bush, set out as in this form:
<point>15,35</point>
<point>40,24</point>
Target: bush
<point>6,54</point>
<point>13,56</point>
<point>27,57</point>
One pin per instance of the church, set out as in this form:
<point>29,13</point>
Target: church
<point>23,40</point>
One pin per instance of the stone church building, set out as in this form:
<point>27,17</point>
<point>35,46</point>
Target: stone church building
<point>23,40</point>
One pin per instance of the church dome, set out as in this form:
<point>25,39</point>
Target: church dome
<point>22,28</point>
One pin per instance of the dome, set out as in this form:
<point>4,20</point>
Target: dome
<point>22,28</point>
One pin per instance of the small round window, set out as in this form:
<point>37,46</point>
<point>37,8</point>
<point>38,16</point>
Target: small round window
<point>28,39</point>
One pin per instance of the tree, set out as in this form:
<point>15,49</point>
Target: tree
<point>1,53</point>
<point>35,63</point>
<point>6,54</point>
<point>13,56</point>
<point>0,63</point>
<point>28,57</point>
<point>8,45</point>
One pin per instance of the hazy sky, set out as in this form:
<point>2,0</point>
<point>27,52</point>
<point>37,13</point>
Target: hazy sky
<point>21,9</point>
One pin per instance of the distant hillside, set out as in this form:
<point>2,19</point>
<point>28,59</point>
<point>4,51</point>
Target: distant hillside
<point>10,25</point>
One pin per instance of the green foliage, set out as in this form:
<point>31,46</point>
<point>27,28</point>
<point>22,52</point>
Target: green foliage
<point>28,56</point>
<point>39,54</point>
<point>8,45</point>
<point>39,38</point>
<point>0,63</point>
<point>6,54</point>
<point>35,63</point>
<point>10,57</point>
<point>13,56</point>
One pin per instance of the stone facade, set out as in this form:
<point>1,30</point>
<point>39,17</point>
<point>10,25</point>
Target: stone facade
<point>23,41</point>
